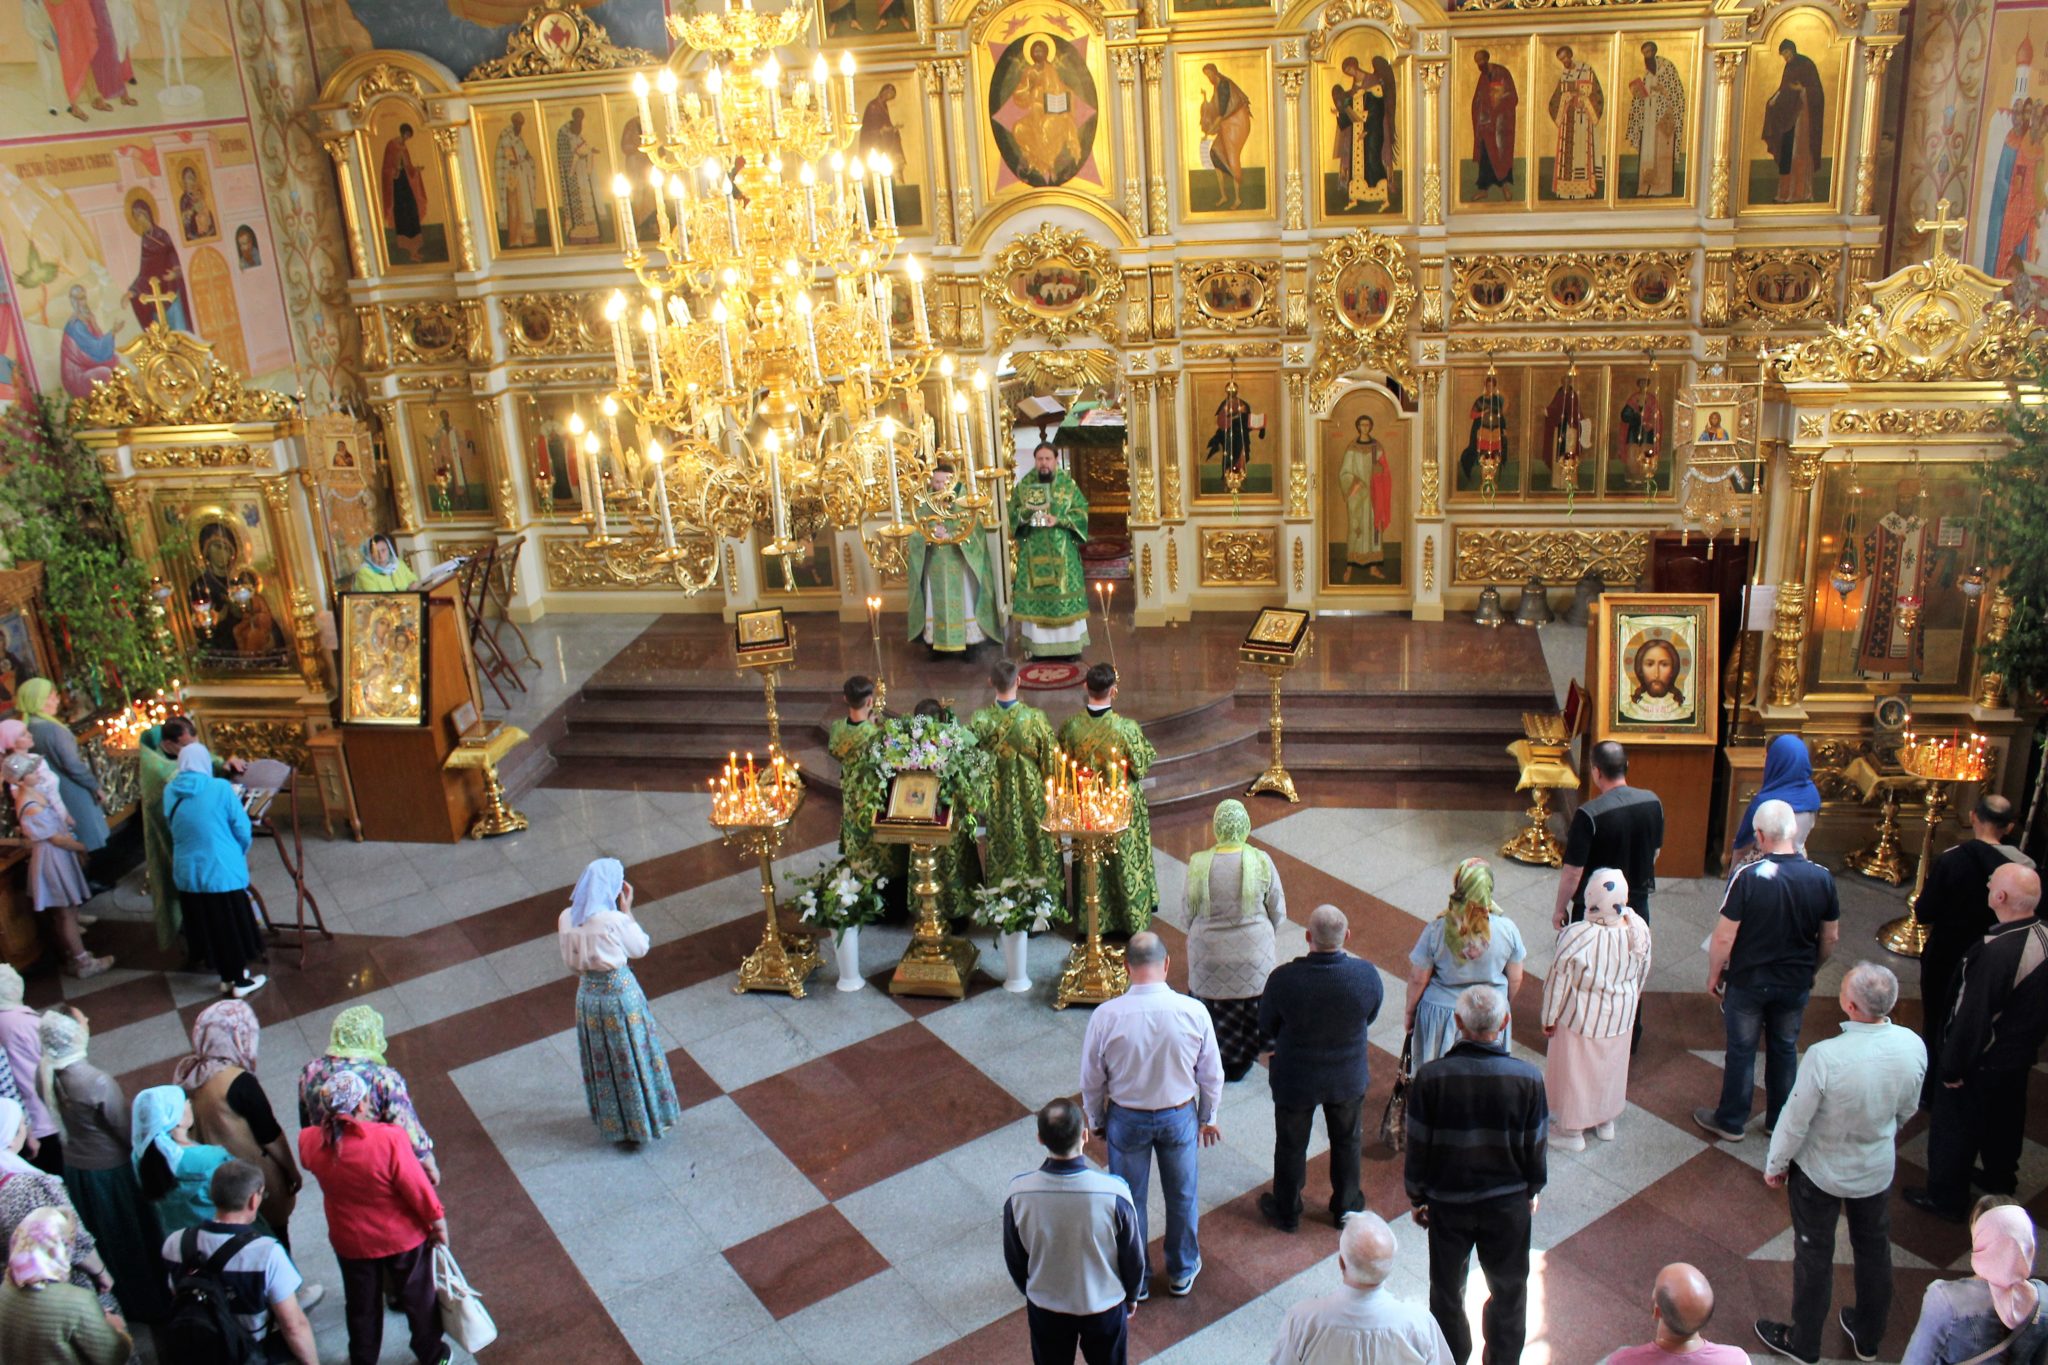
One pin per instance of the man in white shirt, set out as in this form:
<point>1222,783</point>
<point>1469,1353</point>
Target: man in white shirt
<point>1361,1321</point>
<point>1151,1079</point>
<point>1833,1152</point>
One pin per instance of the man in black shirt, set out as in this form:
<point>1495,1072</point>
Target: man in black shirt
<point>1955,905</point>
<point>1475,1164</point>
<point>1621,828</point>
<point>1779,921</point>
<point>1993,1037</point>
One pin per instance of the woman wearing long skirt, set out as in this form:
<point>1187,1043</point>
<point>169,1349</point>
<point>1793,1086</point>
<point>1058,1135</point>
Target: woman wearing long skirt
<point>1589,1011</point>
<point>625,1074</point>
<point>210,862</point>
<point>1234,904</point>
<point>1470,944</point>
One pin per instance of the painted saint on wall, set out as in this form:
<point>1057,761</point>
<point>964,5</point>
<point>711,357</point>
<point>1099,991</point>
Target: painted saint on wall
<point>1365,112</point>
<point>1794,127</point>
<point>1656,125</point>
<point>158,271</point>
<point>1577,106</point>
<point>516,177</point>
<point>1367,482</point>
<point>404,195</point>
<point>1042,109</point>
<point>1494,108</point>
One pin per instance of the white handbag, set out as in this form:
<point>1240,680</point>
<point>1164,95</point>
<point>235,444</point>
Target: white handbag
<point>464,1319</point>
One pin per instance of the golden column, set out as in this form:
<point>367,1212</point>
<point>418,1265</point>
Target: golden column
<point>1290,87</point>
<point>1432,175</point>
<point>1144,483</point>
<point>956,125</point>
<point>1788,630</point>
<point>498,451</point>
<point>1727,61</point>
<point>337,148</point>
<point>1997,620</point>
<point>395,448</point>
<point>1877,55</point>
<point>1126,60</point>
<point>1153,62</point>
<point>1298,475</point>
<point>1430,505</point>
<point>1169,453</point>
<point>935,117</point>
<point>449,140</point>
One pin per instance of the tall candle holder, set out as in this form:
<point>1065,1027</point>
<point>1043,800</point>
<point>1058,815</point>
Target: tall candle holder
<point>936,962</point>
<point>1091,811</point>
<point>1941,764</point>
<point>751,807</point>
<point>875,634</point>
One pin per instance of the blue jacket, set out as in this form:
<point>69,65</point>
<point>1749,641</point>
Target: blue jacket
<point>1314,1013</point>
<point>209,833</point>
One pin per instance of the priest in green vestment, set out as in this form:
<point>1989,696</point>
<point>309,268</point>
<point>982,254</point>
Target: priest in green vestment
<point>1050,516</point>
<point>1021,738</point>
<point>951,605</point>
<point>1100,739</point>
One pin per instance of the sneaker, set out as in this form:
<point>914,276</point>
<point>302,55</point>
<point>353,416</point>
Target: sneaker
<point>1605,1132</point>
<point>310,1294</point>
<point>1568,1139</point>
<point>1778,1337</point>
<point>86,965</point>
<point>1704,1117</point>
<point>1180,1289</point>
<point>1855,1342</point>
<point>1269,1209</point>
<point>1144,1291</point>
<point>246,987</point>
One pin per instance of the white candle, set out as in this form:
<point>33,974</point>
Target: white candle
<point>732,214</point>
<point>821,81</point>
<point>668,526</point>
<point>779,523</point>
<point>839,188</point>
<point>596,484</point>
<point>714,82</point>
<point>652,326</point>
<point>856,174</point>
<point>657,185</point>
<point>671,113</point>
<point>720,315</point>
<point>885,189</point>
<point>622,209</point>
<point>771,78</point>
<point>852,115</point>
<point>615,313</point>
<point>803,305</point>
<point>646,107</point>
<point>808,178</point>
<point>959,401</point>
<point>888,342</point>
<point>917,313</point>
<point>679,190</point>
<point>889,453</point>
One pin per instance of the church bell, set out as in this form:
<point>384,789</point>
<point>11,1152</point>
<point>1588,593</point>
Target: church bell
<point>1534,608</point>
<point>1489,607</point>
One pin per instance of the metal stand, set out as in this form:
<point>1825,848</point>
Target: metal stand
<point>1276,778</point>
<point>1533,843</point>
<point>936,962</point>
<point>485,755</point>
<point>1095,971</point>
<point>1883,860</point>
<point>768,664</point>
<point>1907,936</point>
<point>781,961</point>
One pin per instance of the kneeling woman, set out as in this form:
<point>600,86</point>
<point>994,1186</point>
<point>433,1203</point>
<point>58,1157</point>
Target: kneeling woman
<point>625,1074</point>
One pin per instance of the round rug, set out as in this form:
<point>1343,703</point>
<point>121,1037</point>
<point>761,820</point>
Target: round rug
<point>1049,675</point>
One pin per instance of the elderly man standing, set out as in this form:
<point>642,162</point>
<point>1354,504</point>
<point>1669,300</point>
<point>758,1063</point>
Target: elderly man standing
<point>1955,905</point>
<point>1476,1164</point>
<point>1832,1153</point>
<point>1993,1036</point>
<point>1151,1078</point>
<point>1680,1304</point>
<point>1315,1011</point>
<point>1361,1321</point>
<point>1070,1238</point>
<point>1779,921</point>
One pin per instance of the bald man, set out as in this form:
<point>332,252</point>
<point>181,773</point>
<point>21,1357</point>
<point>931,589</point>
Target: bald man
<point>1993,1037</point>
<point>1361,1321</point>
<point>1955,905</point>
<point>1680,1304</point>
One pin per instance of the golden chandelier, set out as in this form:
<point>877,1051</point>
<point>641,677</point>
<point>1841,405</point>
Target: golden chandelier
<point>759,355</point>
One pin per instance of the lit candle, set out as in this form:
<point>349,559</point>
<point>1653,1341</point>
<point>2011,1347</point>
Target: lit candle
<point>714,82</point>
<point>966,446</point>
<point>721,316</point>
<point>652,326</point>
<point>808,178</point>
<point>679,190</point>
<point>595,481</point>
<point>615,314</point>
<point>771,77</point>
<point>657,184</point>
<point>732,214</point>
<point>778,522</point>
<point>821,81</point>
<point>803,305</point>
<point>856,175</point>
<point>889,453</point>
<point>846,87</point>
<point>988,430</point>
<point>646,108</point>
<point>671,112</point>
<point>883,307</point>
<point>946,409</point>
<point>622,199</point>
<point>918,316</point>
<point>885,189</point>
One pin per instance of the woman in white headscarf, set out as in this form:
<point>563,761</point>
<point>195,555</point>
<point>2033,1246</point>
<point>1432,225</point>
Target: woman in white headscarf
<point>1997,1314</point>
<point>210,863</point>
<point>625,1072</point>
<point>56,879</point>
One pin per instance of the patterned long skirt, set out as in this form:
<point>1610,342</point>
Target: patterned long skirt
<point>1237,1034</point>
<point>625,1074</point>
<point>111,1205</point>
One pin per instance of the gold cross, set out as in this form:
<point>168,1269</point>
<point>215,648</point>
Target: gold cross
<point>157,298</point>
<point>1941,225</point>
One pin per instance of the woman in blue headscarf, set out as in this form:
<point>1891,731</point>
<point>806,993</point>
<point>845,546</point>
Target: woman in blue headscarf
<point>1788,777</point>
<point>176,1170</point>
<point>625,1072</point>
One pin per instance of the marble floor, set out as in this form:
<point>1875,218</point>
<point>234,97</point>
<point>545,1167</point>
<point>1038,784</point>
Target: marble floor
<point>834,1191</point>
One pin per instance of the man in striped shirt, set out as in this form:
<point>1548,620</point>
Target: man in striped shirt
<point>1475,1165</point>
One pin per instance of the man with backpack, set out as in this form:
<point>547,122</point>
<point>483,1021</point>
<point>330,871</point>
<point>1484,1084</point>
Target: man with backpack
<point>232,1287</point>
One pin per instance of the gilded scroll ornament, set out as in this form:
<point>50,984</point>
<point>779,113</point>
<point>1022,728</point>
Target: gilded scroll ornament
<point>1503,555</point>
<point>1786,284</point>
<point>1983,421</point>
<point>385,79</point>
<point>306,633</point>
<point>553,324</point>
<point>203,457</point>
<point>1044,371</point>
<point>1233,295</point>
<point>432,332</point>
<point>555,37</point>
<point>1172,563</point>
<point>280,739</point>
<point>1364,292</point>
<point>1054,283</point>
<point>1300,565</point>
<point>175,381</point>
<point>570,565</point>
<point>370,326</point>
<point>1787,630</point>
<point>1338,13</point>
<point>1997,620</point>
<point>1162,303</point>
<point>1145,571</point>
<point>1572,286</point>
<point>1581,344</point>
<point>1429,563</point>
<point>1239,559</point>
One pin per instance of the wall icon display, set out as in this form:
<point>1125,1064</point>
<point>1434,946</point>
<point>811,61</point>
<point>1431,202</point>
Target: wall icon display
<point>1360,119</point>
<point>1225,124</point>
<point>1044,89</point>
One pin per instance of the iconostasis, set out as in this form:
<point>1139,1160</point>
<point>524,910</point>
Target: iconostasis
<point>1354,303</point>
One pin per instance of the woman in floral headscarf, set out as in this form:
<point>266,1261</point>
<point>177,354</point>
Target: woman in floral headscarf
<point>231,1109</point>
<point>1590,996</point>
<point>355,1044</point>
<point>1998,1314</point>
<point>1470,944</point>
<point>56,879</point>
<point>24,1189</point>
<point>1234,904</point>
<point>43,1316</point>
<point>625,1068</point>
<point>38,701</point>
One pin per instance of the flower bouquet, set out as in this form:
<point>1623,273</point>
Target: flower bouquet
<point>965,770</point>
<point>1018,905</point>
<point>839,896</point>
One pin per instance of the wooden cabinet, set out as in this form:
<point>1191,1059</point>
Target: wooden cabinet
<point>406,794</point>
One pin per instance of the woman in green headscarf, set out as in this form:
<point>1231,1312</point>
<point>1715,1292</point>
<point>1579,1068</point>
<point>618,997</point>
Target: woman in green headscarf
<point>1234,903</point>
<point>382,570</point>
<point>1470,944</point>
<point>355,1043</point>
<point>38,700</point>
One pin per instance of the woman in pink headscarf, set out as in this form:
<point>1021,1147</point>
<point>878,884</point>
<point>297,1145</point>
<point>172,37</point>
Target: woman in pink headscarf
<point>230,1109</point>
<point>1997,1314</point>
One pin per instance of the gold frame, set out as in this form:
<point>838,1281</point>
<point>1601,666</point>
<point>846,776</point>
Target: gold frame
<point>1102,151</point>
<point>1703,608</point>
<point>747,638</point>
<point>1094,315</point>
<point>1347,346</point>
<point>1398,446</point>
<point>1326,76</point>
<point>1189,89</point>
<point>1196,314</point>
<point>354,608</point>
<point>271,495</point>
<point>1201,424</point>
<point>1527,276</point>
<point>373,210</point>
<point>911,789</point>
<point>1238,557</point>
<point>486,167</point>
<point>1745,138</point>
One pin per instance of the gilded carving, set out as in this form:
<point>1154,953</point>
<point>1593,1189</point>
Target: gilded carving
<point>1555,343</point>
<point>1232,350</point>
<point>1162,302</point>
<point>1787,630</point>
<point>175,381</point>
<point>385,79</point>
<point>1429,563</point>
<point>1137,325</point>
<point>1145,571</point>
<point>370,325</point>
<point>570,565</point>
<point>1233,295</point>
<point>1504,555</point>
<point>1364,292</point>
<point>1714,301</point>
<point>431,332</point>
<point>1997,620</point>
<point>1338,13</point>
<point>203,457</point>
<point>1093,310</point>
<point>1571,286</point>
<point>1172,563</point>
<point>1300,564</point>
<point>280,739</point>
<point>1786,284</point>
<point>556,37</point>
<point>1239,559</point>
<point>1432,476</point>
<point>1291,81</point>
<point>306,634</point>
<point>552,324</point>
<point>846,564</point>
<point>1983,421</point>
<point>1044,371</point>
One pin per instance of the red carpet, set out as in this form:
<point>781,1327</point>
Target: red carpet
<point>1049,675</point>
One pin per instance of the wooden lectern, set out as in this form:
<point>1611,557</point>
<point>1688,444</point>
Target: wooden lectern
<point>408,696</point>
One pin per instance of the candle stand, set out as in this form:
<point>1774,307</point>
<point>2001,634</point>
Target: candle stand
<point>753,818</point>
<point>1941,764</point>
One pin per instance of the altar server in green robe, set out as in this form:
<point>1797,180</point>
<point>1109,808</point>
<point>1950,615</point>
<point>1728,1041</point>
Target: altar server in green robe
<point>1100,739</point>
<point>1050,516</point>
<point>952,605</point>
<point>1021,738</point>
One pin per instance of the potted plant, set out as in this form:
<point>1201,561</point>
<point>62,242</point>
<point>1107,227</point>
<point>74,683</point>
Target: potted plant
<point>839,898</point>
<point>1016,908</point>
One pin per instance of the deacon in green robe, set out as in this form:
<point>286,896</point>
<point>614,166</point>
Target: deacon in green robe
<point>1050,602</point>
<point>1022,741</point>
<point>860,789</point>
<point>159,764</point>
<point>1101,739</point>
<point>950,605</point>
